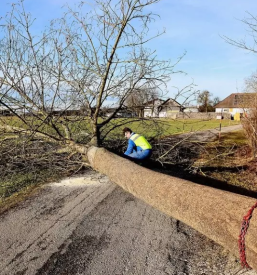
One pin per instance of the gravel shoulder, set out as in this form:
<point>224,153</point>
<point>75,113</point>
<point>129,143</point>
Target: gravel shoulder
<point>88,225</point>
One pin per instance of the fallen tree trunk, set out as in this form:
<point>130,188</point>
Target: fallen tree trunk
<point>215,213</point>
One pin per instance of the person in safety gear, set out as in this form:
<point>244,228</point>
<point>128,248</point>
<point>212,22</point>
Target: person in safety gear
<point>138,146</point>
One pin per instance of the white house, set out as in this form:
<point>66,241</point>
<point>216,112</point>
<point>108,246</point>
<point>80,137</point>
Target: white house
<point>162,108</point>
<point>237,103</point>
<point>151,108</point>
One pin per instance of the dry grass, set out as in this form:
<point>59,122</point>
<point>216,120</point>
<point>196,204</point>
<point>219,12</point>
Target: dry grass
<point>25,164</point>
<point>225,152</point>
<point>230,160</point>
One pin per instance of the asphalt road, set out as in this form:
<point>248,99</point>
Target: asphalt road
<point>88,225</point>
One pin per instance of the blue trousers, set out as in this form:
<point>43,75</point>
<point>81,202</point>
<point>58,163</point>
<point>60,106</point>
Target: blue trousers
<point>144,154</point>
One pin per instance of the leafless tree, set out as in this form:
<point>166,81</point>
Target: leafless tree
<point>216,100</point>
<point>205,101</point>
<point>187,94</point>
<point>55,85</point>
<point>83,60</point>
<point>249,102</point>
<point>248,43</point>
<point>136,100</point>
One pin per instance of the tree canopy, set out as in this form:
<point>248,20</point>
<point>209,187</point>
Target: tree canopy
<point>81,61</point>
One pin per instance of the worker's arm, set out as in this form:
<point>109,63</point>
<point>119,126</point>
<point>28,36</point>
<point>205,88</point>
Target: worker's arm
<point>131,146</point>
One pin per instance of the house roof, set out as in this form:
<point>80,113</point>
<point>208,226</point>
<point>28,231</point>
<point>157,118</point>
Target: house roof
<point>170,103</point>
<point>238,100</point>
<point>153,101</point>
<point>14,107</point>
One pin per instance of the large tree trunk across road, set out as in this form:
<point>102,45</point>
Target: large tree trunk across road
<point>215,213</point>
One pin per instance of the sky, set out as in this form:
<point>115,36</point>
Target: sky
<point>196,26</point>
<point>192,26</point>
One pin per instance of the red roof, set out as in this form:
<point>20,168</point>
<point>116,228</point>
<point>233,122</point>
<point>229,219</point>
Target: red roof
<point>238,100</point>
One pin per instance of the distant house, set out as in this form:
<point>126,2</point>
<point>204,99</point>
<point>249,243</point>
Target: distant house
<point>162,108</point>
<point>123,112</point>
<point>191,109</point>
<point>5,111</point>
<point>8,103</point>
<point>237,103</point>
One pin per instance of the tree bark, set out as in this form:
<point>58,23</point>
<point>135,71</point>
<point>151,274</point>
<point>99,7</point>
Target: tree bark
<point>215,213</point>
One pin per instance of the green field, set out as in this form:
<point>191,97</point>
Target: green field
<point>80,127</point>
<point>167,127</point>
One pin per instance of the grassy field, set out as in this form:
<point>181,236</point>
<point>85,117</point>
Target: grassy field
<point>38,162</point>
<point>167,127</point>
<point>150,128</point>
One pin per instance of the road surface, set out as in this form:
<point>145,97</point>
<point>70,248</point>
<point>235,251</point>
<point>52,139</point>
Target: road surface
<point>89,225</point>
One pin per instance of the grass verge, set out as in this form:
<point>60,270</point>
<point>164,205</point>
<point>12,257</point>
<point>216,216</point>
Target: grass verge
<point>26,164</point>
<point>229,160</point>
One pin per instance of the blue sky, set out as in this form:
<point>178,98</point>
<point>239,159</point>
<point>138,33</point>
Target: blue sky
<point>194,26</point>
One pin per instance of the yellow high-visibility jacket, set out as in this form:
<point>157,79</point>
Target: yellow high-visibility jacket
<point>138,143</point>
